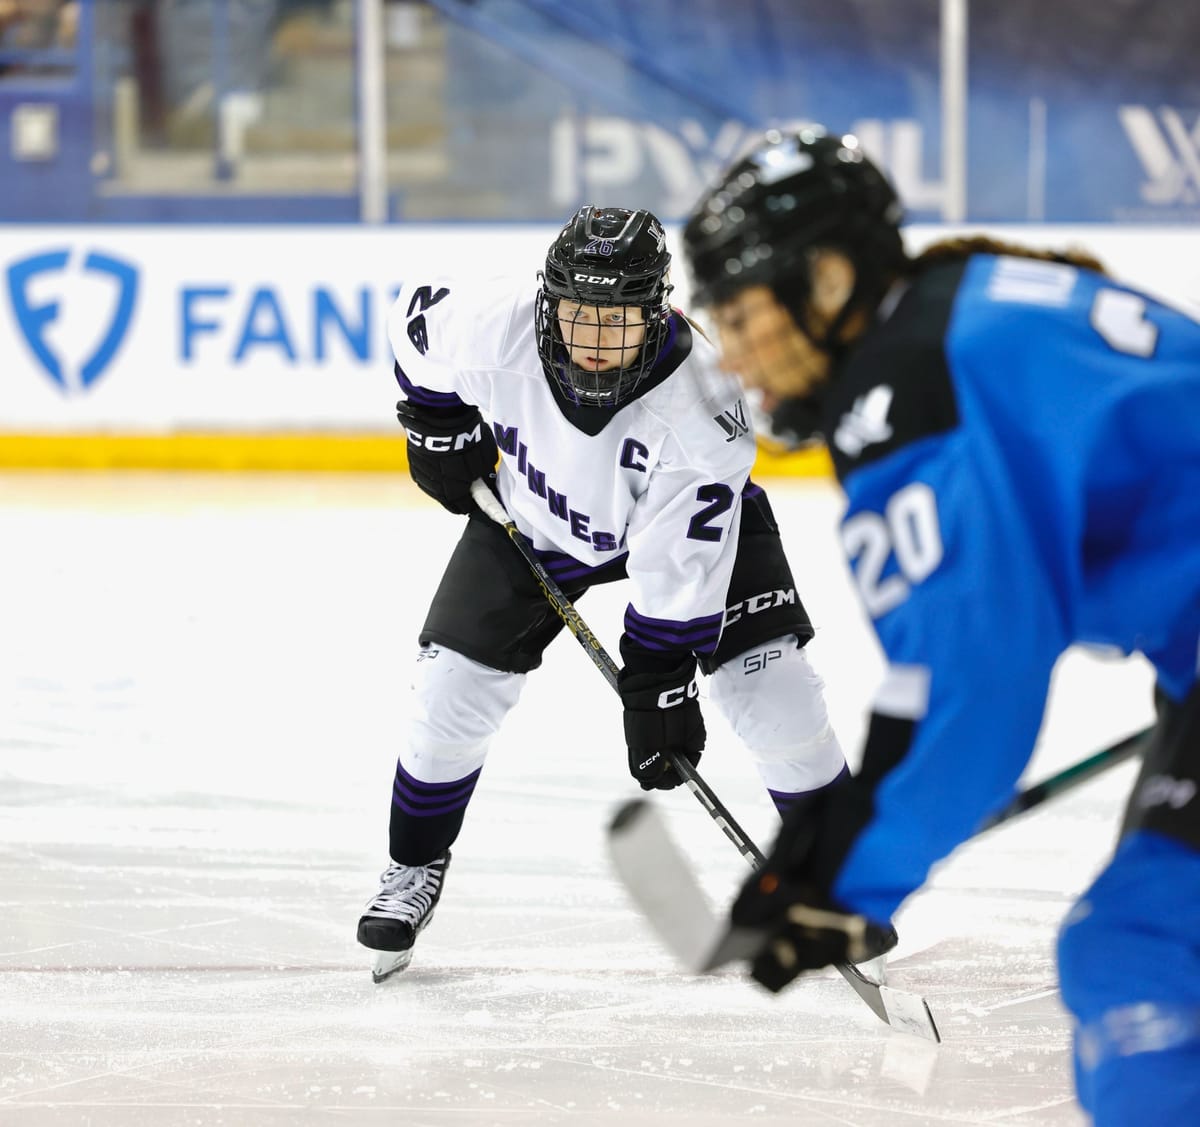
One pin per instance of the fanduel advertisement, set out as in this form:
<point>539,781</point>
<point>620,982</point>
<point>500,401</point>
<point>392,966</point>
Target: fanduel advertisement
<point>166,329</point>
<point>189,328</point>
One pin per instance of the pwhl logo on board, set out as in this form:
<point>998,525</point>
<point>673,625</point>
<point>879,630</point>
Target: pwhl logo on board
<point>105,290</point>
<point>1169,153</point>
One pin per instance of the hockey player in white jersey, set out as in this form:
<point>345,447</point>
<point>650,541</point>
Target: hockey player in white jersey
<point>624,454</point>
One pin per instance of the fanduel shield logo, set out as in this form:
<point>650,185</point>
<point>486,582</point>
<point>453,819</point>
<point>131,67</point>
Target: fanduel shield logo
<point>1169,153</point>
<point>109,287</point>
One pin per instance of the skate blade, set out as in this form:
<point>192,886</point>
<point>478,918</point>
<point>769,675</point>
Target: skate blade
<point>875,970</point>
<point>388,963</point>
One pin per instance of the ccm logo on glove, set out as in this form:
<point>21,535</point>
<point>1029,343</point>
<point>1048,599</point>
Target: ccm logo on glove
<point>662,720</point>
<point>672,698</point>
<point>445,443</point>
<point>448,448</point>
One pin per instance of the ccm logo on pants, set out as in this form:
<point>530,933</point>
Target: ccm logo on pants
<point>756,603</point>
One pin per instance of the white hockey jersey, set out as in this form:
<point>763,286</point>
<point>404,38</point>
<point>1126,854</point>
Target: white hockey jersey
<point>659,486</point>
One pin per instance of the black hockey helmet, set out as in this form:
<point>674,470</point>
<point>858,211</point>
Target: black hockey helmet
<point>604,257</point>
<point>791,192</point>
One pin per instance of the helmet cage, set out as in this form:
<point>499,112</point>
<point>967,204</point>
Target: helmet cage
<point>793,193</point>
<point>604,258</point>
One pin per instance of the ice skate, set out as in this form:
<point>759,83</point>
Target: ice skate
<point>399,911</point>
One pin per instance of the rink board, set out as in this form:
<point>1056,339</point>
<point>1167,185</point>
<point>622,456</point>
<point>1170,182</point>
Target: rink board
<point>266,347</point>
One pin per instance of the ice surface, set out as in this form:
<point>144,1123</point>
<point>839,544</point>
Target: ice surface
<point>202,688</point>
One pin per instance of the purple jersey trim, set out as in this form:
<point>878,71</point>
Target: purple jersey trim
<point>566,569</point>
<point>699,635</point>
<point>422,396</point>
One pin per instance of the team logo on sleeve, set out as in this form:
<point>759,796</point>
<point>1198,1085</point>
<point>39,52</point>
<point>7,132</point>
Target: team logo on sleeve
<point>733,423</point>
<point>865,424</point>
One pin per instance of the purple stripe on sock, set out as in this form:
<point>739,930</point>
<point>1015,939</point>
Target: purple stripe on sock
<point>418,786</point>
<point>786,796</point>
<point>426,798</point>
<point>427,811</point>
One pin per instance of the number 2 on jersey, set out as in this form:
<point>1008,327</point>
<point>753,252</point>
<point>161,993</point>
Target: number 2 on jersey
<point>906,530</point>
<point>720,498</point>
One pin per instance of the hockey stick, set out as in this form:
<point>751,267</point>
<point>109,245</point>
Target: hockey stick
<point>906,1011</point>
<point>491,507</point>
<point>672,900</point>
<point>1068,778</point>
<point>1022,802</point>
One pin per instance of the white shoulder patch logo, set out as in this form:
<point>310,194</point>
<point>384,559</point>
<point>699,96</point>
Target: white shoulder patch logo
<point>865,424</point>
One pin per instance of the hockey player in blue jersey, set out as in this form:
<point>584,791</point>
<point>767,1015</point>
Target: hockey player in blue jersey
<point>1018,438</point>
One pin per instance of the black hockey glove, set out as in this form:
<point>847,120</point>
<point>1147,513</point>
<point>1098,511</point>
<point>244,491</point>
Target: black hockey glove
<point>802,926</point>
<point>448,448</point>
<point>662,715</point>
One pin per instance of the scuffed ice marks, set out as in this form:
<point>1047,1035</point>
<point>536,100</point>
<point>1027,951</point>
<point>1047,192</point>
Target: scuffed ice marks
<point>195,767</point>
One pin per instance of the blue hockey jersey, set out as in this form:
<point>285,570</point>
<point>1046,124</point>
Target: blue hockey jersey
<point>1019,442</point>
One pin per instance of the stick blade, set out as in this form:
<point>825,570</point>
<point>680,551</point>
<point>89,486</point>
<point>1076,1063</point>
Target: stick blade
<point>910,1013</point>
<point>900,1009</point>
<point>662,884</point>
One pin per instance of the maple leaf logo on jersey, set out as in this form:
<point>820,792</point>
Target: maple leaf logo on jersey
<point>865,424</point>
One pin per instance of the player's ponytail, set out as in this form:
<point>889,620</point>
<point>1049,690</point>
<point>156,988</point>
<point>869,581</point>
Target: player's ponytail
<point>948,250</point>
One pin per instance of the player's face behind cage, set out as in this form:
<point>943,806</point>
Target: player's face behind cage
<point>761,342</point>
<point>603,315</point>
<point>601,340</point>
<point>803,225</point>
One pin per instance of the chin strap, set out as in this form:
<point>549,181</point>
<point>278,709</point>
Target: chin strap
<point>866,296</point>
